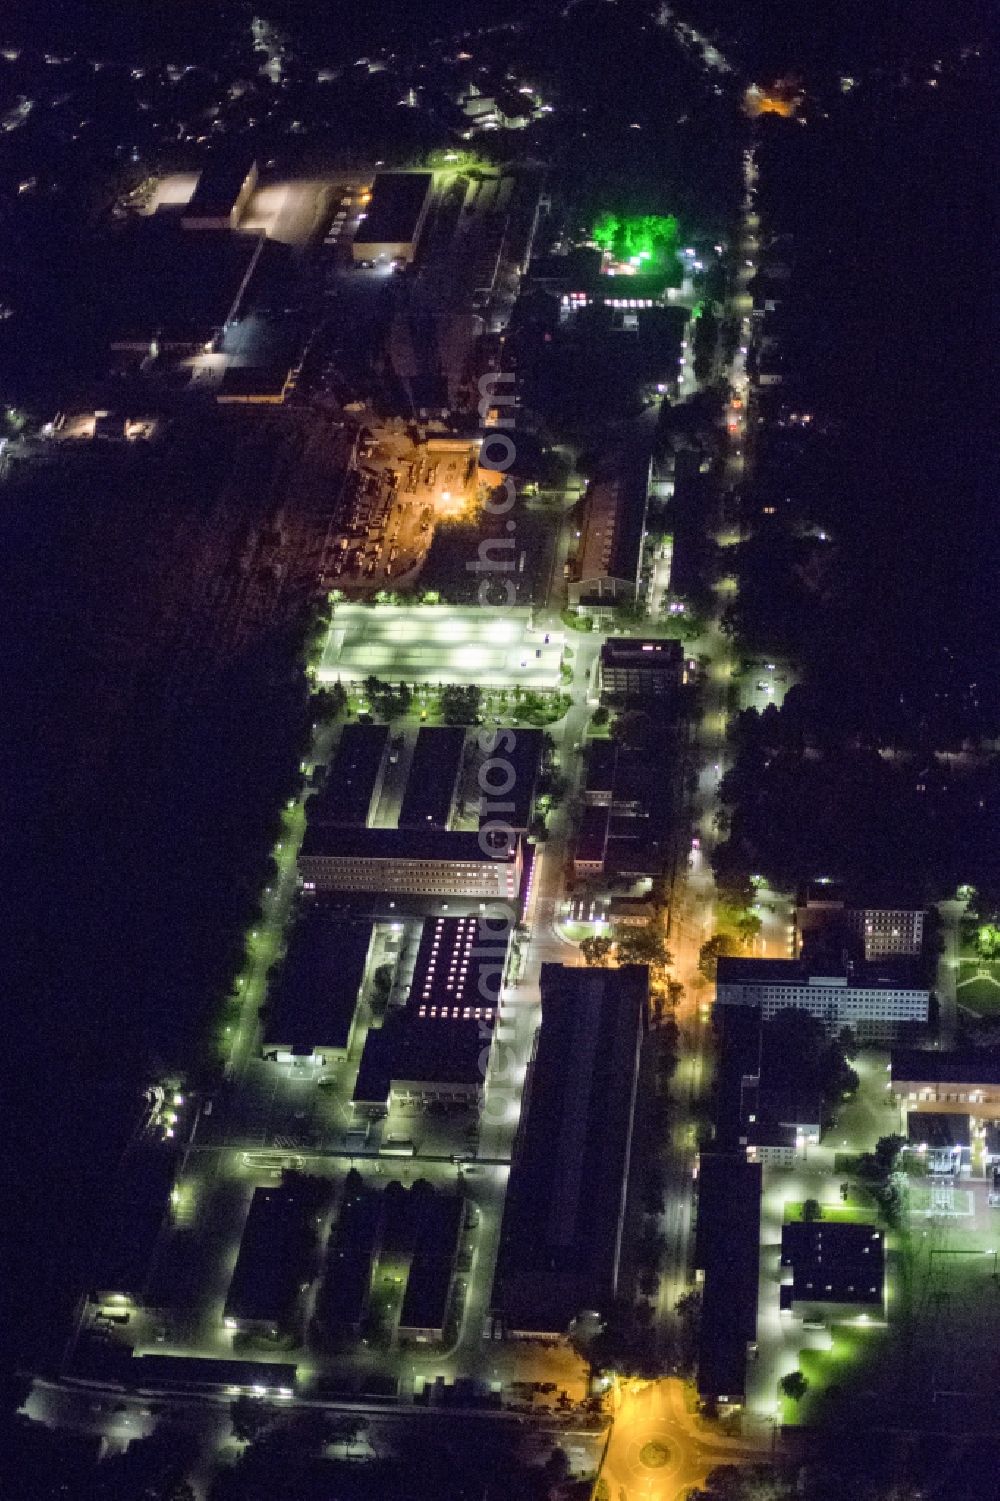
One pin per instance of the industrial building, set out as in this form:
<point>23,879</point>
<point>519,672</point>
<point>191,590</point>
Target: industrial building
<point>345,1286</point>
<point>131,1230</point>
<point>394,865</point>
<point>311,1011</point>
<point>437,1235</point>
<point>198,1373</point>
<point>177,292</point>
<point>459,970</point>
<point>608,562</point>
<point>354,779</point>
<point>438,1048</point>
<point>507,772</point>
<point>275,1257</point>
<point>727,1259</point>
<point>874,1000</point>
<point>433,778</point>
<point>831,1270</point>
<point>599,779</point>
<point>225,187</point>
<point>390,229</point>
<point>563,1220</point>
<point>622,833</point>
<point>412,1061</point>
<point>636,670</point>
<point>965,1083</point>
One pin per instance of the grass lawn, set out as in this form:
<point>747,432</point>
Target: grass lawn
<point>834,1214</point>
<point>849,1364</point>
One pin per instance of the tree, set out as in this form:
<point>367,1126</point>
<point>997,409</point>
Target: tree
<point>794,1385</point>
<point>746,1483</point>
<point>887,1150</point>
<point>643,946</point>
<point>688,1311</point>
<point>381,986</point>
<point>748,926</point>
<point>596,950</point>
<point>812,1210</point>
<point>719,946</point>
<point>332,701</point>
<point>600,717</point>
<point>461,705</point>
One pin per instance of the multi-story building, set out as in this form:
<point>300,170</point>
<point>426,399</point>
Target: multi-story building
<point>874,1000</point>
<point>410,863</point>
<point>640,669</point>
<point>873,927</point>
<point>884,931</point>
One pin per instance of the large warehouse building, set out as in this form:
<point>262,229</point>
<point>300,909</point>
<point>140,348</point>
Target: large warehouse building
<point>561,1236</point>
<point>390,230</point>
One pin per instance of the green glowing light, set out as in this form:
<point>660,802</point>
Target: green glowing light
<point>638,237</point>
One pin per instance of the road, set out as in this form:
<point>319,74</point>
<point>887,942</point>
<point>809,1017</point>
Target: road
<point>659,1449</point>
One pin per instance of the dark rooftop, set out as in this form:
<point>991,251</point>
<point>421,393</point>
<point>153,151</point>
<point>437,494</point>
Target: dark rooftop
<point>317,992</point>
<point>834,1263</point>
<point>196,1371</point>
<point>895,972</point>
<point>937,1129</point>
<point>459,968</point>
<point>978,1066</point>
<point>601,758</point>
<point>739,1039</point>
<point>139,1202</point>
<point>653,653</point>
<point>398,844</point>
<point>434,772</point>
<point>727,1250</point>
<point>347,1270</point>
<point>179,285</point>
<point>220,183</point>
<point>395,207</point>
<point>438,1227</point>
<point>422,1050</point>
<point>519,754</point>
<point>272,1255</point>
<point>353,776</point>
<point>562,1220</point>
<point>592,833</point>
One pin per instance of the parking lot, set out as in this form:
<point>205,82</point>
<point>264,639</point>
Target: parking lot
<point>396,492</point>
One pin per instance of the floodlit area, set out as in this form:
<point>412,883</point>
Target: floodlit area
<point>171,191</point>
<point>291,212</point>
<point>441,643</point>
